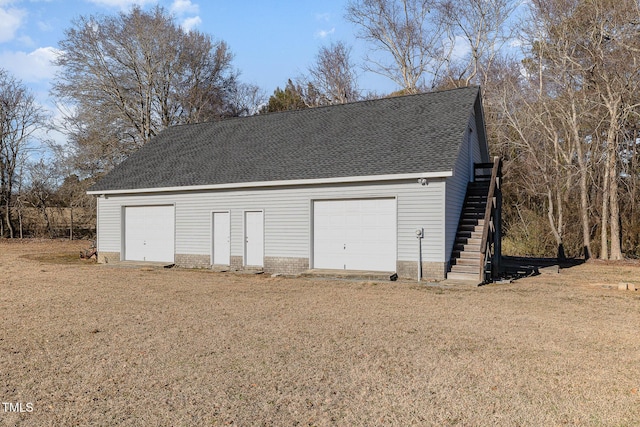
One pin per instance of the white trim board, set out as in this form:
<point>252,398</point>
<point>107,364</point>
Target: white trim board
<point>337,180</point>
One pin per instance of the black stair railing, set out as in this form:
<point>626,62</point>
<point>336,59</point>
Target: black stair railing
<point>490,245</point>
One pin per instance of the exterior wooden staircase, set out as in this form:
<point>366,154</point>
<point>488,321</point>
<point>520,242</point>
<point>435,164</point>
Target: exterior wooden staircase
<point>476,250</point>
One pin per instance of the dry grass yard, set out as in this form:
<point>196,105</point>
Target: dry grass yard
<point>88,344</point>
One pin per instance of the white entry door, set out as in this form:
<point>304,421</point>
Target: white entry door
<point>355,234</point>
<point>221,239</point>
<point>254,239</point>
<point>149,233</point>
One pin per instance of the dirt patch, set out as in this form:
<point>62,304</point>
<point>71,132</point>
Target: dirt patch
<point>89,344</point>
<point>59,258</point>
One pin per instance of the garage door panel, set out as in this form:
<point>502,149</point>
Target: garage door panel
<point>149,233</point>
<point>355,234</point>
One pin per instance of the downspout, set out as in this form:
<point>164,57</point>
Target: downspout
<point>419,235</point>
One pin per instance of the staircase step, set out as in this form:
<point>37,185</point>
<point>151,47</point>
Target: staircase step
<point>469,234</point>
<point>470,227</point>
<point>463,277</point>
<point>470,218</point>
<point>474,221</point>
<point>470,255</point>
<point>459,253</point>
<point>464,262</point>
<point>466,221</point>
<point>476,216</point>
<point>468,241</point>
<point>467,228</point>
<point>471,269</point>
<point>470,248</point>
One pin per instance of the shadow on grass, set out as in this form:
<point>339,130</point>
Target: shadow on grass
<point>518,267</point>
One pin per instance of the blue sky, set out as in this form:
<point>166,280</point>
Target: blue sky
<point>271,40</point>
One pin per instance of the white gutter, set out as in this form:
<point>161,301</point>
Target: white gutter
<point>338,180</point>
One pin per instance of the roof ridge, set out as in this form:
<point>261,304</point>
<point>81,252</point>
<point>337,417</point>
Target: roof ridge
<point>322,107</point>
<point>371,100</point>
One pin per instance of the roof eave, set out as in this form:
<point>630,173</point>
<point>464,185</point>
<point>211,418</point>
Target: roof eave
<point>294,182</point>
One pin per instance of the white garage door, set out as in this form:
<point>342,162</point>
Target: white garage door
<point>355,234</point>
<point>149,233</point>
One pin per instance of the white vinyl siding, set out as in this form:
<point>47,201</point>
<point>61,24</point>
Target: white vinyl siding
<point>287,216</point>
<point>108,215</point>
<point>457,184</point>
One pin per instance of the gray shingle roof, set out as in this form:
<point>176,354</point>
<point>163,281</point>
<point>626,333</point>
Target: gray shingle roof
<point>408,134</point>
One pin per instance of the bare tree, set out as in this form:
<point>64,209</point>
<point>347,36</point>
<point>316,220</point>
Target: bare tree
<point>94,144</point>
<point>137,73</point>
<point>599,43</point>
<point>613,49</point>
<point>558,76</point>
<point>333,74</point>
<point>479,25</point>
<point>20,118</point>
<point>573,111</point>
<point>41,191</point>
<point>545,153</point>
<point>246,99</point>
<point>72,195</point>
<point>409,31</point>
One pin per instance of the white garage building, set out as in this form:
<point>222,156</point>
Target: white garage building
<point>340,187</point>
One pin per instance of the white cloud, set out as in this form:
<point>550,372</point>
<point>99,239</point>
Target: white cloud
<point>324,33</point>
<point>25,40</point>
<point>31,67</point>
<point>45,26</point>
<point>10,20</point>
<point>515,43</point>
<point>190,23</point>
<point>459,48</point>
<point>182,7</point>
